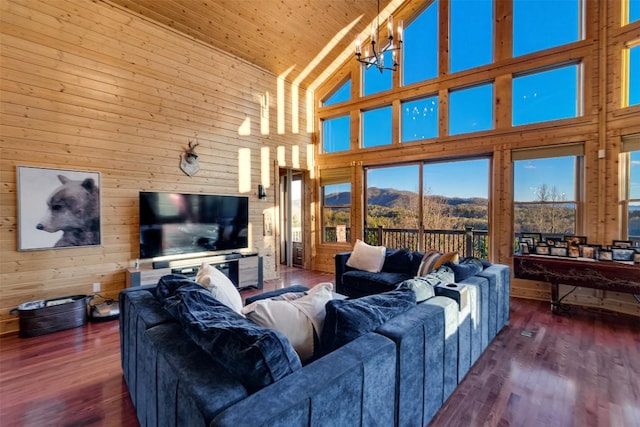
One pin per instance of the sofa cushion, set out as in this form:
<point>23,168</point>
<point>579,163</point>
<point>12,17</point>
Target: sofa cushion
<point>220,286</point>
<point>348,319</point>
<point>366,257</point>
<point>465,268</point>
<point>254,355</point>
<point>366,283</point>
<point>299,317</point>
<point>398,261</point>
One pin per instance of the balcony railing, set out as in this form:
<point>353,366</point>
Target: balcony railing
<point>467,242</point>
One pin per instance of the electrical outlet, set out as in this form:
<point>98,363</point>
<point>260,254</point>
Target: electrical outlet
<point>96,287</point>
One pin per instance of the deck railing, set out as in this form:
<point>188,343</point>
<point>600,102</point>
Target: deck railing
<point>467,242</point>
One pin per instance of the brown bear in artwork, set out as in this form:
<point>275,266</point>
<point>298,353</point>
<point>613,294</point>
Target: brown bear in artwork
<point>74,208</point>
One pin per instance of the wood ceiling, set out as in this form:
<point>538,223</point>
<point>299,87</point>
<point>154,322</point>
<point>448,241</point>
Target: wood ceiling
<point>300,40</point>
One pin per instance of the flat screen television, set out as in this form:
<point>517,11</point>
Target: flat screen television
<point>177,223</point>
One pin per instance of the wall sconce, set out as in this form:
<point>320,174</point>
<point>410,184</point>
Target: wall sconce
<point>261,193</point>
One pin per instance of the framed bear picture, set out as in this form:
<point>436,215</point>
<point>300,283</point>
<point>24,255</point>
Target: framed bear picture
<point>57,208</point>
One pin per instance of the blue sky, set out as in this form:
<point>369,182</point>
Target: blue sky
<point>537,96</point>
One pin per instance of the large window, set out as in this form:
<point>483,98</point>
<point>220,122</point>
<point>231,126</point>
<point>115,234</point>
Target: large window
<point>420,47</point>
<point>543,24</point>
<point>420,119</point>
<point>471,109</point>
<point>376,127</point>
<point>630,188</point>
<point>546,190</point>
<point>342,94</point>
<point>336,205</point>
<point>423,206</point>
<point>471,35</point>
<point>336,134</point>
<point>633,75</point>
<point>547,95</point>
<point>392,206</point>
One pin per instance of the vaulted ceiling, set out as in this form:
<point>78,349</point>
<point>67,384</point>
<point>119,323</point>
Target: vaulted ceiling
<point>300,40</point>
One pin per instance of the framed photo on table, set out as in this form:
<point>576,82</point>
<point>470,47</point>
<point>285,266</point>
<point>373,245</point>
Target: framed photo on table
<point>577,240</point>
<point>605,255</point>
<point>535,238</point>
<point>622,254</point>
<point>542,249</point>
<point>588,251</point>
<point>528,241</point>
<point>622,243</point>
<point>557,251</point>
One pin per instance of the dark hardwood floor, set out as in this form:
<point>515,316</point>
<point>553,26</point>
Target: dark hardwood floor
<point>581,369</point>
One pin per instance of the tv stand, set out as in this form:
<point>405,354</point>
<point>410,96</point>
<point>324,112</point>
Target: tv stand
<point>244,270</point>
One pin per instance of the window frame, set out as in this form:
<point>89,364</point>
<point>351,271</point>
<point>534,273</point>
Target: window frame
<point>336,176</point>
<point>575,150</point>
<point>323,148</point>
<point>630,144</point>
<point>579,87</point>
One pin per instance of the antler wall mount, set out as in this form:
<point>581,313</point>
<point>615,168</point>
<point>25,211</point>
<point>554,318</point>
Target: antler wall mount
<point>189,162</point>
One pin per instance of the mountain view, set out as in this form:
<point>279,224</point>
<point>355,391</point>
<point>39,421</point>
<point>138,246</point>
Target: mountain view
<point>391,208</point>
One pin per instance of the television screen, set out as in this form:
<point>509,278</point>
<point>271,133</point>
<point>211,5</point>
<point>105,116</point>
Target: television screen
<point>176,224</point>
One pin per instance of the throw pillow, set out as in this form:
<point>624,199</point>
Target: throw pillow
<point>446,257</point>
<point>298,317</point>
<point>366,257</point>
<point>348,319</point>
<point>220,286</point>
<point>254,355</point>
<point>398,261</point>
<point>428,260</point>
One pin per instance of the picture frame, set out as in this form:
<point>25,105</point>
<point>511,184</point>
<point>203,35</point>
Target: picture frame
<point>622,243</point>
<point>589,251</point>
<point>636,257</point>
<point>557,251</point>
<point>44,221</point>
<point>528,241</point>
<point>524,248</point>
<point>542,250</point>
<point>605,255</point>
<point>536,237</point>
<point>622,254</point>
<point>573,251</point>
<point>578,240</point>
<point>552,240</point>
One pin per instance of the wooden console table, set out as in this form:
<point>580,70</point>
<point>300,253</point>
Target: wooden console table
<point>606,275</point>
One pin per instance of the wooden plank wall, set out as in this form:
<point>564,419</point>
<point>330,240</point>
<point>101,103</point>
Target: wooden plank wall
<point>90,86</point>
<point>601,126</point>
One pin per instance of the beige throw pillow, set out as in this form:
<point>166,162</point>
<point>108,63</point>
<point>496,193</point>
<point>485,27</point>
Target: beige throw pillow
<point>220,286</point>
<point>366,257</point>
<point>296,318</point>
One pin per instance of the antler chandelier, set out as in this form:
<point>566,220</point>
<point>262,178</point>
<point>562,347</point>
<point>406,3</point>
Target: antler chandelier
<point>375,58</point>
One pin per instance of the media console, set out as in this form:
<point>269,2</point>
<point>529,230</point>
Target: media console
<point>244,270</point>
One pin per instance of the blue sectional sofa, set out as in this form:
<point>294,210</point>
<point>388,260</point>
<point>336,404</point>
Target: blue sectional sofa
<point>399,371</point>
<point>399,265</point>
